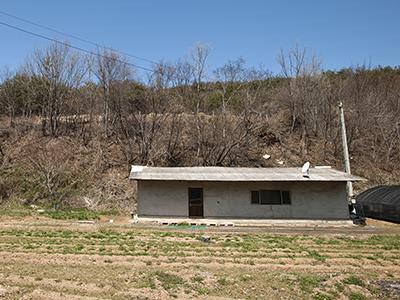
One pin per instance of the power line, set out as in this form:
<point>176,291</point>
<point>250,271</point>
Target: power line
<point>74,37</point>
<point>69,45</point>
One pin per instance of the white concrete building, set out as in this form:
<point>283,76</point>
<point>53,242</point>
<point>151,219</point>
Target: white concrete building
<point>242,193</point>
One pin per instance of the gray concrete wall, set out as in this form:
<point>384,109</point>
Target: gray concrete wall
<point>310,200</point>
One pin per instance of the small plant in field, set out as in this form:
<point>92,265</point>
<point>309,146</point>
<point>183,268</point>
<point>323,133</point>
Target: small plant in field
<point>357,296</point>
<point>315,255</point>
<point>339,287</point>
<point>354,280</point>
<point>29,246</point>
<point>148,282</point>
<point>202,290</point>
<point>251,262</point>
<point>168,281</point>
<point>320,240</point>
<point>79,247</point>
<point>222,281</point>
<point>245,277</point>
<point>323,296</point>
<point>309,282</point>
<point>197,279</point>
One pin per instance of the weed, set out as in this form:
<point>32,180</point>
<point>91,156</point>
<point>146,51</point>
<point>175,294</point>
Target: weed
<point>339,287</point>
<point>357,296</point>
<point>323,296</point>
<point>79,247</point>
<point>222,281</point>
<point>315,255</point>
<point>309,282</point>
<point>169,281</point>
<point>197,279</point>
<point>148,282</point>
<point>353,280</point>
<point>202,290</point>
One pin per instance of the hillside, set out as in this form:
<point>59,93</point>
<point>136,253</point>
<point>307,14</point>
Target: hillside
<point>67,138</point>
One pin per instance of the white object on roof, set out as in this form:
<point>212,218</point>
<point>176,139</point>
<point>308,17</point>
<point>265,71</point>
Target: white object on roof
<point>238,174</point>
<point>305,169</point>
<point>137,168</point>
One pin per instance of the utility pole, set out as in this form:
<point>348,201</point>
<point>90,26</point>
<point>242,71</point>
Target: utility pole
<point>346,153</point>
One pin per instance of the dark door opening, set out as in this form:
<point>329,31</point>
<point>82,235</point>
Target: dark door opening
<point>195,202</point>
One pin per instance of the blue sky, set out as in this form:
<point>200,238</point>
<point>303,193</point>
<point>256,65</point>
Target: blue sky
<point>342,33</point>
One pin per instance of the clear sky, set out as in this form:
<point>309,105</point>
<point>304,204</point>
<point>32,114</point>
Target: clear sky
<point>342,32</point>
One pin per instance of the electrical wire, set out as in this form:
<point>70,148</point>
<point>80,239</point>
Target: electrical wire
<point>69,45</point>
<point>74,36</point>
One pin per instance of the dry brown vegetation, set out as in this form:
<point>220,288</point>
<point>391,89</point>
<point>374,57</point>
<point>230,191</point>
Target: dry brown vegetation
<point>70,126</point>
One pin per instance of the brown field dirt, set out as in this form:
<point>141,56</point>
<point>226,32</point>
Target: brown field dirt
<point>49,259</point>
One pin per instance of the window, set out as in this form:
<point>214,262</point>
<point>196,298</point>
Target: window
<point>270,197</point>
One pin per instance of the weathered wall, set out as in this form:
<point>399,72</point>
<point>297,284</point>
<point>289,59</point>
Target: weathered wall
<point>313,200</point>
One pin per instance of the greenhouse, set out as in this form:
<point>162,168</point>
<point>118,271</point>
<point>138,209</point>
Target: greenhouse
<point>381,202</point>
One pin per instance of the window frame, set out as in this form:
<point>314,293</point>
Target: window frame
<point>284,197</point>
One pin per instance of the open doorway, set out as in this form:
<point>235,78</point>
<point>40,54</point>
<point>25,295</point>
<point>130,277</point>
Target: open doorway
<point>196,203</point>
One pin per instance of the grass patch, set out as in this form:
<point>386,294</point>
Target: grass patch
<point>309,282</point>
<point>323,296</point>
<point>339,287</point>
<point>222,281</point>
<point>357,296</point>
<point>354,281</point>
<point>169,281</point>
<point>316,255</point>
<point>21,211</point>
<point>82,214</point>
<point>15,212</point>
<point>198,279</point>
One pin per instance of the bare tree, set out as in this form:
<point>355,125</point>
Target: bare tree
<point>302,73</point>
<point>230,77</point>
<point>112,71</point>
<point>61,71</point>
<point>199,55</point>
<point>8,94</point>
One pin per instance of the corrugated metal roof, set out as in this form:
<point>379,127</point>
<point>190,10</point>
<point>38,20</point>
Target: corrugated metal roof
<point>238,174</point>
